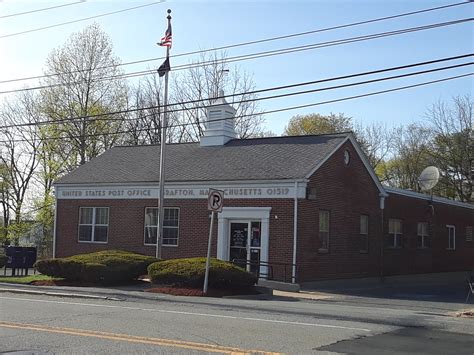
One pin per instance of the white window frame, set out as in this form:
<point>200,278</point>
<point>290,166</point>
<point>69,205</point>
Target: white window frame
<point>164,227</point>
<point>423,236</point>
<point>364,235</point>
<point>393,235</point>
<point>322,249</point>
<point>453,228</point>
<point>93,225</point>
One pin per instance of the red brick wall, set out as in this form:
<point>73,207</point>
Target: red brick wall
<point>409,258</point>
<point>347,191</point>
<point>126,227</point>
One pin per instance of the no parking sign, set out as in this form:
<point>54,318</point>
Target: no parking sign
<point>215,200</point>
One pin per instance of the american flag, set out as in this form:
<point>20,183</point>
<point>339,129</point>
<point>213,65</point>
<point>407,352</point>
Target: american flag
<point>166,40</point>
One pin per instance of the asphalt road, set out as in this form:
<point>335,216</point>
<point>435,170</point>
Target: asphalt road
<point>57,325</point>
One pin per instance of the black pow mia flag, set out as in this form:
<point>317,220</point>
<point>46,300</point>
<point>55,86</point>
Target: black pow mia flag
<point>165,67</point>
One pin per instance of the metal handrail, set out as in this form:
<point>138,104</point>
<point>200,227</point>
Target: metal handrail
<point>269,274</point>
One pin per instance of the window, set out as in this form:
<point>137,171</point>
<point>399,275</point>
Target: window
<point>451,237</point>
<point>93,224</point>
<point>364,233</point>
<point>469,234</point>
<point>170,226</point>
<point>323,230</point>
<point>423,237</point>
<point>394,233</point>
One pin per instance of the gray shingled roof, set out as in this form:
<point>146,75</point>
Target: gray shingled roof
<point>240,159</point>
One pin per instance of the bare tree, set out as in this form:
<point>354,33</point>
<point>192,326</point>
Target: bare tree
<point>377,140</point>
<point>18,157</point>
<point>81,80</point>
<point>201,84</point>
<point>5,198</point>
<point>411,156</point>
<point>144,122</point>
<point>452,146</point>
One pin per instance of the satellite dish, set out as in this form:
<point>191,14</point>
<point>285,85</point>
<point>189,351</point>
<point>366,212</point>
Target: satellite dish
<point>428,178</point>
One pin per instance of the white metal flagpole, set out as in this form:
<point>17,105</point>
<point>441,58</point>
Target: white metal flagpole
<point>161,207</point>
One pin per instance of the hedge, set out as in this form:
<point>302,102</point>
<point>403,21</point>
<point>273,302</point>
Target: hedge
<point>190,273</point>
<point>107,267</point>
<point>3,259</point>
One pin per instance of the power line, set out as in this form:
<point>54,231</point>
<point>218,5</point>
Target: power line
<point>241,44</point>
<point>331,43</point>
<point>97,117</point>
<point>93,117</point>
<point>261,54</point>
<point>377,71</point>
<point>371,94</point>
<point>271,111</point>
<point>80,20</point>
<point>42,9</point>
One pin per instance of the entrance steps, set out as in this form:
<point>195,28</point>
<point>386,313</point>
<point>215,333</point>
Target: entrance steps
<point>280,286</point>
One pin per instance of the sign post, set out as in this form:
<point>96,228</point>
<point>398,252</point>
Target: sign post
<point>215,202</point>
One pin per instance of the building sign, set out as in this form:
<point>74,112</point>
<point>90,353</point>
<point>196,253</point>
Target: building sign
<point>257,191</point>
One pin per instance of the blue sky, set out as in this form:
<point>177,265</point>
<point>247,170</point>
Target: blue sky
<point>207,24</point>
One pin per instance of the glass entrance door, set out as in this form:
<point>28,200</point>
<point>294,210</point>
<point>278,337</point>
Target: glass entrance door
<point>245,244</point>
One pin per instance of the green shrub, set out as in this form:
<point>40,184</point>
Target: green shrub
<point>60,268</point>
<point>190,273</point>
<point>107,267</point>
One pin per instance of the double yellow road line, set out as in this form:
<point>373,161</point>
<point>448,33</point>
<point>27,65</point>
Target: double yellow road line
<point>135,339</point>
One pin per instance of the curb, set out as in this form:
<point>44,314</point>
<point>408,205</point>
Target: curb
<point>112,296</point>
<point>266,294</point>
<point>60,294</point>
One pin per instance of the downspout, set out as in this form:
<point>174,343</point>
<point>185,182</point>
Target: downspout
<point>55,221</point>
<point>295,233</point>
<point>382,207</point>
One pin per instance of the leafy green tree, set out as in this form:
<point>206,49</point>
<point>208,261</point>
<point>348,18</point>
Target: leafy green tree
<point>452,146</point>
<point>18,158</point>
<point>411,156</point>
<point>5,195</point>
<point>375,139</point>
<point>316,123</point>
<point>81,81</point>
<point>45,221</point>
<point>446,140</point>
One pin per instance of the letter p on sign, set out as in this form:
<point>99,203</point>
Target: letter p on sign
<point>215,200</point>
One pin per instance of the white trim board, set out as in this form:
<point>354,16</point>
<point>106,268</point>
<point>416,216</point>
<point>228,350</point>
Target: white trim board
<point>271,190</point>
<point>393,190</point>
<point>181,183</point>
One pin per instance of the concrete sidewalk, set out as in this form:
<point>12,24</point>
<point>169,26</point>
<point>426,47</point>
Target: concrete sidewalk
<point>442,278</point>
<point>444,291</point>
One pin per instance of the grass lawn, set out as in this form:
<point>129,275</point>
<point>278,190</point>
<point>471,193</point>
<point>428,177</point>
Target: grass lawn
<point>26,279</point>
